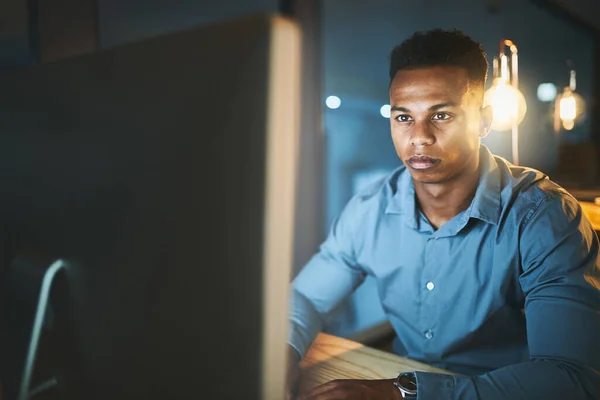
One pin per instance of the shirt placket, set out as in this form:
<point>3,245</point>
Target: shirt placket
<point>427,289</point>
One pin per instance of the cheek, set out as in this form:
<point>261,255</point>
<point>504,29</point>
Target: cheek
<point>455,145</point>
<point>464,148</point>
<point>460,136</point>
<point>399,140</point>
<point>399,132</point>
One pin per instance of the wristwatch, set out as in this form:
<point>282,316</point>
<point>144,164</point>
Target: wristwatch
<point>406,382</point>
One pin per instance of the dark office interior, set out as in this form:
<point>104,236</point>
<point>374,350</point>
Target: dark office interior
<point>344,124</point>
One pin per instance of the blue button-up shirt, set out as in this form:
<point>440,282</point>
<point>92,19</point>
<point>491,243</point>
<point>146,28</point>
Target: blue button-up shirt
<point>507,293</point>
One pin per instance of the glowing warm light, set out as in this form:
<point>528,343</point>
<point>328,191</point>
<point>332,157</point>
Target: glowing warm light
<point>570,108</point>
<point>385,110</point>
<point>508,104</point>
<point>568,124</point>
<point>333,102</point>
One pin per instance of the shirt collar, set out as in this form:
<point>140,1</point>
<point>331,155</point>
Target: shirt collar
<point>486,204</point>
<point>403,202</point>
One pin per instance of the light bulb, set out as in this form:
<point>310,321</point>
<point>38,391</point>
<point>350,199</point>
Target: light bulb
<point>568,111</point>
<point>568,124</point>
<point>508,105</point>
<point>568,107</point>
<point>571,107</point>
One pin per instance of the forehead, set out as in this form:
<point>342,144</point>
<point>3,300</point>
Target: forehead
<point>443,84</point>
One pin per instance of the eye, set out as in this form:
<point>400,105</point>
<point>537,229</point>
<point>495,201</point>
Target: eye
<point>441,116</point>
<point>403,118</point>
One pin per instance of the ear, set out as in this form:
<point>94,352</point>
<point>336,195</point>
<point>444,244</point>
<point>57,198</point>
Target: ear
<point>487,114</point>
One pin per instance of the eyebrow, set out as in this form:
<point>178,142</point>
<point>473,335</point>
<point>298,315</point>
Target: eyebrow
<point>432,108</point>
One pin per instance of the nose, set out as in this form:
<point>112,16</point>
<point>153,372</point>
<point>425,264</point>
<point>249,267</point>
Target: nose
<point>422,134</point>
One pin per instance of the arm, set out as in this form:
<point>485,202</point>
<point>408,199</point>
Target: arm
<point>328,278</point>
<point>561,281</point>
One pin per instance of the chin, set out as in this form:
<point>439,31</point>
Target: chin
<point>428,177</point>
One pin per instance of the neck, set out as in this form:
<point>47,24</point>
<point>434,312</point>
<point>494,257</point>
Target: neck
<point>440,202</point>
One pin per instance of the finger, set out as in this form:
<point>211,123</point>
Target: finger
<point>314,392</point>
<point>319,391</point>
<point>333,394</point>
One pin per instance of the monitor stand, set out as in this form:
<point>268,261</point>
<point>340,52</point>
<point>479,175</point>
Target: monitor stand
<point>29,285</point>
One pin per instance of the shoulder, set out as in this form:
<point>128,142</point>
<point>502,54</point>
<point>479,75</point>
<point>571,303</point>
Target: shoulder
<point>374,198</point>
<point>530,195</point>
<point>369,205</point>
<point>529,191</point>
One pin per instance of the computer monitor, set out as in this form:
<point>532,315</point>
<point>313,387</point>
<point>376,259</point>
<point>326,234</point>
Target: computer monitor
<point>157,181</point>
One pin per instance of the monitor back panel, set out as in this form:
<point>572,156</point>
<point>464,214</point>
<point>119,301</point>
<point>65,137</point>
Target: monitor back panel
<point>164,172</point>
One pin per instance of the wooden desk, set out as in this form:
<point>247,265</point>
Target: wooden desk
<point>331,357</point>
<point>592,212</point>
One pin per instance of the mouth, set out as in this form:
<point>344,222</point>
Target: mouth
<point>422,162</point>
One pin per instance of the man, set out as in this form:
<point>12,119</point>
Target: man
<point>484,268</point>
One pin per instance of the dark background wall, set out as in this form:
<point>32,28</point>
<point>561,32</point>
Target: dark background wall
<point>346,44</point>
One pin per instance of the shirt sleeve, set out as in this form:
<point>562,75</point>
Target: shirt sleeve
<point>329,277</point>
<point>560,278</point>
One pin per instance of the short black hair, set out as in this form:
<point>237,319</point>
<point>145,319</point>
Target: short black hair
<point>440,47</point>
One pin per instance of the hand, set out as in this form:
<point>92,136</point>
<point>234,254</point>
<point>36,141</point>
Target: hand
<point>293,374</point>
<point>354,389</point>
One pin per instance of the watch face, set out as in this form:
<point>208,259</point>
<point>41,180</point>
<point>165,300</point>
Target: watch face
<point>408,382</point>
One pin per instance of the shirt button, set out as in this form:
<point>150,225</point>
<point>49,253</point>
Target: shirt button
<point>430,285</point>
<point>429,334</point>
